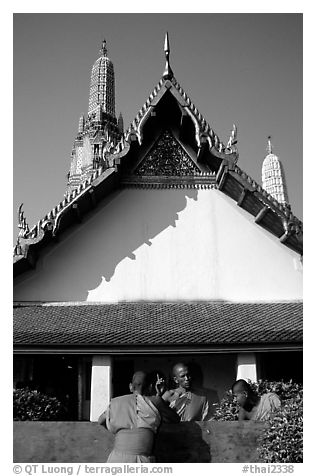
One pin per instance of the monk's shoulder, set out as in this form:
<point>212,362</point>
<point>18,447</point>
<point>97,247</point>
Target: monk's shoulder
<point>121,400</point>
<point>274,398</point>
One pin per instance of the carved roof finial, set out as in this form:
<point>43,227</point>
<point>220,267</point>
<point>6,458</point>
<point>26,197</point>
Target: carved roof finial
<point>24,228</point>
<point>103,49</point>
<point>269,146</point>
<point>168,73</point>
<point>233,137</point>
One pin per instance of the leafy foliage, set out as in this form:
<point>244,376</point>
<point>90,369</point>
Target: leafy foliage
<point>33,405</point>
<point>282,441</point>
<point>226,409</point>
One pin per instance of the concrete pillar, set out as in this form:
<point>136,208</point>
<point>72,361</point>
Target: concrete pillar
<point>101,390</point>
<point>247,366</point>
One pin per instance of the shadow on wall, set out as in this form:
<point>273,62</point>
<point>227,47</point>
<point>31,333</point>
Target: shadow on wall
<point>189,445</point>
<point>89,253</point>
<point>188,442</point>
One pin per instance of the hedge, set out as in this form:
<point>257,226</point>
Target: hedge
<point>282,441</point>
<point>33,405</point>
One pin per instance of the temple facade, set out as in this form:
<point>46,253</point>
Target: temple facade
<point>163,249</point>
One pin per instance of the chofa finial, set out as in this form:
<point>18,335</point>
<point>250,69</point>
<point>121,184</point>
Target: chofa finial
<point>232,141</point>
<point>168,73</point>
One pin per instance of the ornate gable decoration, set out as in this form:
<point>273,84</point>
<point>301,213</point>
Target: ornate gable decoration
<point>167,157</point>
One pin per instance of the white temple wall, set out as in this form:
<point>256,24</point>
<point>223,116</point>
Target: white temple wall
<point>164,244</point>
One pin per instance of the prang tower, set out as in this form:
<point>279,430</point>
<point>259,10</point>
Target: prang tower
<point>100,131</point>
<point>273,177</point>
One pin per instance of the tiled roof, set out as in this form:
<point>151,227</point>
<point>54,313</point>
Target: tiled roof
<point>159,324</point>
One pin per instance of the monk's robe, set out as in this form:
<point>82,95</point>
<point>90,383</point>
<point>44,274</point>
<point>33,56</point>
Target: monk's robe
<point>134,421</point>
<point>269,403</point>
<point>191,405</point>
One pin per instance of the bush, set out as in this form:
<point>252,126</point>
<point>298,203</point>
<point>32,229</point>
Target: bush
<point>33,405</point>
<point>282,441</point>
<point>226,409</point>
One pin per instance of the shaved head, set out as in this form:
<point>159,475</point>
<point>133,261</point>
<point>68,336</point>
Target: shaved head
<point>246,397</point>
<point>138,382</point>
<point>181,375</point>
<point>240,386</point>
<point>177,367</point>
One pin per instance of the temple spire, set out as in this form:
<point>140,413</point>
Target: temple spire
<point>168,73</point>
<point>273,177</point>
<point>103,49</point>
<point>102,85</point>
<point>98,132</point>
<point>269,146</point>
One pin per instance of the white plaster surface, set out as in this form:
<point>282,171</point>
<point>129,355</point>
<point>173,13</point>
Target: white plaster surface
<point>165,244</point>
<point>101,377</point>
<point>246,366</point>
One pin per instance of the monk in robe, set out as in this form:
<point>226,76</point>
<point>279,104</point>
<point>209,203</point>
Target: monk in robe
<point>134,420</point>
<point>251,405</point>
<point>155,387</point>
<point>190,403</point>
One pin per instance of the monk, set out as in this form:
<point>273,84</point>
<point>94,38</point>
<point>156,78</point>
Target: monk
<point>155,386</point>
<point>251,405</point>
<point>190,403</point>
<point>134,419</point>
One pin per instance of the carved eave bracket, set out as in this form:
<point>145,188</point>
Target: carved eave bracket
<point>292,227</point>
<point>203,148</point>
<point>267,211</point>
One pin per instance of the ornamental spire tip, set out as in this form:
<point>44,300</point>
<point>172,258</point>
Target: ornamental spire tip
<point>167,46</point>
<point>168,73</point>
<point>103,49</point>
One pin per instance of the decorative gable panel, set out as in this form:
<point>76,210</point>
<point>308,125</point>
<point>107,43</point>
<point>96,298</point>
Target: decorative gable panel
<point>167,157</point>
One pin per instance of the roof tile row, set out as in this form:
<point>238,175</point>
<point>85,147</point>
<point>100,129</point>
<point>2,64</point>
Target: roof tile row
<point>156,323</point>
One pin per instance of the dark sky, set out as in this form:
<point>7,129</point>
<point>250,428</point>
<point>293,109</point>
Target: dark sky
<point>236,68</point>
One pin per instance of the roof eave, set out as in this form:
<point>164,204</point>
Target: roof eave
<point>255,200</point>
<point>157,350</point>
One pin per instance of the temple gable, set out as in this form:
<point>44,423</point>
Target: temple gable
<point>167,157</point>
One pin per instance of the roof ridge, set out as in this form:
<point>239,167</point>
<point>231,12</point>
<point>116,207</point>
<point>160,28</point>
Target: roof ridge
<point>204,126</point>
